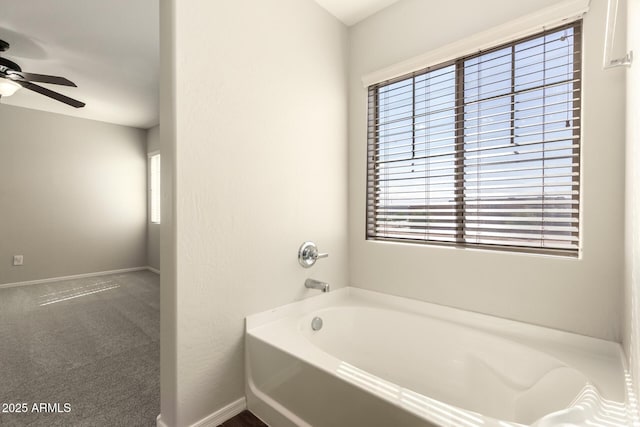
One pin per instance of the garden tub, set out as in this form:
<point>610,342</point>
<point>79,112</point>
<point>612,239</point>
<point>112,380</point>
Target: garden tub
<point>360,358</point>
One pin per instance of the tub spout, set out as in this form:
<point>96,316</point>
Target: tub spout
<point>316,284</point>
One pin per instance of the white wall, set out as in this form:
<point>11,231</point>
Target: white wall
<point>168,281</point>
<point>153,230</point>
<point>72,195</point>
<point>579,295</point>
<point>260,145</point>
<point>632,208</point>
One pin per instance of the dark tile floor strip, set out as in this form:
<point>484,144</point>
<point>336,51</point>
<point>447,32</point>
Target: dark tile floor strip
<point>244,419</point>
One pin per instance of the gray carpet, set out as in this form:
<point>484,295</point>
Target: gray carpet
<point>92,343</point>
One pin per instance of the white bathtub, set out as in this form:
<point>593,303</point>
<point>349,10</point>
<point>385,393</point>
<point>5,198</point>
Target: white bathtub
<point>386,361</point>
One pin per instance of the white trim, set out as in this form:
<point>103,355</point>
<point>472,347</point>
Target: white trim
<point>222,414</point>
<point>160,422</point>
<point>155,270</point>
<point>151,186</point>
<point>563,12</point>
<point>75,276</point>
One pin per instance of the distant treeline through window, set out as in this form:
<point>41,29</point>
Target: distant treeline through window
<point>481,151</point>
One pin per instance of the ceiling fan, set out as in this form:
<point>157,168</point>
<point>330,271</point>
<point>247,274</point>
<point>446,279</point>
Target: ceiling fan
<point>13,78</point>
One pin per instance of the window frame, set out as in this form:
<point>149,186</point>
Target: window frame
<point>154,195</point>
<point>459,108</point>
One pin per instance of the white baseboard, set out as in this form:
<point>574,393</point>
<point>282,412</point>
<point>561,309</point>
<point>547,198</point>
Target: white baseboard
<point>155,270</point>
<point>160,422</point>
<point>217,418</point>
<point>75,276</point>
<point>223,414</point>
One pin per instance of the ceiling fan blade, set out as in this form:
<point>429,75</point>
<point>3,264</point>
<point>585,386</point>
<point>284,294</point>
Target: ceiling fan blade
<point>41,78</point>
<point>51,94</point>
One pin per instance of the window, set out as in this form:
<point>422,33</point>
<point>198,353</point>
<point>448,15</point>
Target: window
<point>154,188</point>
<point>482,151</point>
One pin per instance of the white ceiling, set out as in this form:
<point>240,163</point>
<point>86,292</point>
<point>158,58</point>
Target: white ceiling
<point>353,11</point>
<point>109,48</point>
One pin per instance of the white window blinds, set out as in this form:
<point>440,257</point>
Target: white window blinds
<point>483,150</point>
<point>154,188</point>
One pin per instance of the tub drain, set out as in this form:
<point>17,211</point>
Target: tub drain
<point>316,324</point>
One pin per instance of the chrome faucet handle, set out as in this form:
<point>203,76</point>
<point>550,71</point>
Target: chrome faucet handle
<point>308,254</point>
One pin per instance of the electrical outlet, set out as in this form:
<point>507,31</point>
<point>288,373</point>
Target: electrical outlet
<point>18,259</point>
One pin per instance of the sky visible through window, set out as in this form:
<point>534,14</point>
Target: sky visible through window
<point>515,182</point>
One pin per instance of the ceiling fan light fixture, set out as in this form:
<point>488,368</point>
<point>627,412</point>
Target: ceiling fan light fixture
<point>7,87</point>
<point>13,78</point>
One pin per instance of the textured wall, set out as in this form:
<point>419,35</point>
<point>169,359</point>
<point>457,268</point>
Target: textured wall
<point>153,230</point>
<point>632,247</point>
<point>579,295</point>
<point>72,195</point>
<point>260,156</point>
<point>168,282</point>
